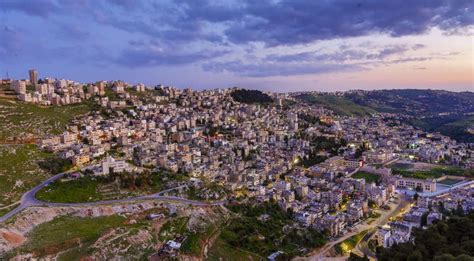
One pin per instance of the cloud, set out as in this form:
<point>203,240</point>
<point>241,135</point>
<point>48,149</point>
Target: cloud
<point>264,69</point>
<point>214,33</point>
<point>297,22</point>
<point>273,23</point>
<point>347,53</point>
<point>140,54</point>
<point>41,8</point>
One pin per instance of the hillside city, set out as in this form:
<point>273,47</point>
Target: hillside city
<point>354,184</point>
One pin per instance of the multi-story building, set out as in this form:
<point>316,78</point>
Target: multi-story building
<point>427,185</point>
<point>18,86</point>
<point>33,76</point>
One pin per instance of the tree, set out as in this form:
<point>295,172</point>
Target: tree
<point>443,240</point>
<point>464,257</point>
<point>415,256</point>
<point>290,212</point>
<point>424,219</point>
<point>459,210</point>
<point>354,257</point>
<point>444,257</point>
<point>416,196</point>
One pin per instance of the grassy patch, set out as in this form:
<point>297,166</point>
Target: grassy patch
<point>192,244</point>
<point>369,177</point>
<point>66,232</point>
<point>21,120</point>
<point>436,172</point>
<point>81,190</point>
<point>220,250</point>
<point>19,170</point>
<point>172,228</point>
<point>375,215</point>
<point>347,245</point>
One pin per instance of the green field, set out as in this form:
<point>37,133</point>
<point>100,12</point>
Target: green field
<point>220,250</point>
<point>369,177</point>
<point>67,232</point>
<point>24,120</point>
<point>81,190</point>
<point>436,172</point>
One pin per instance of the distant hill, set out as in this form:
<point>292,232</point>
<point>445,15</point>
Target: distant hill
<point>414,102</point>
<point>454,126</point>
<point>449,113</point>
<point>339,104</point>
<point>250,96</point>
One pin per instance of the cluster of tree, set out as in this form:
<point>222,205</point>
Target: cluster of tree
<point>354,257</point>
<point>451,239</point>
<point>321,143</point>
<point>312,159</point>
<point>250,96</point>
<point>266,228</point>
<point>363,147</point>
<point>312,119</point>
<point>55,165</point>
<point>128,180</point>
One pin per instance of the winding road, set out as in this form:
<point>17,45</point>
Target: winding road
<point>29,200</point>
<point>362,246</point>
<point>320,254</point>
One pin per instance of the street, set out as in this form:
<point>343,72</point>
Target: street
<point>29,200</point>
<point>385,216</point>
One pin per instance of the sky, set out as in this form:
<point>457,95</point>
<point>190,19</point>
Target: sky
<point>271,45</point>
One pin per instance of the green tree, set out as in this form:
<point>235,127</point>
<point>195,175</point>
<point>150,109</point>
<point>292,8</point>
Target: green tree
<point>415,256</point>
<point>464,257</point>
<point>444,257</point>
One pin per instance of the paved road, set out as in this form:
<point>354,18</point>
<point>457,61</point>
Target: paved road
<point>362,246</point>
<point>320,255</point>
<point>29,200</point>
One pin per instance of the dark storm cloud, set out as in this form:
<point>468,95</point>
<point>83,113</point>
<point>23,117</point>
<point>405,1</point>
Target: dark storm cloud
<point>268,21</point>
<point>300,21</point>
<point>195,31</point>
